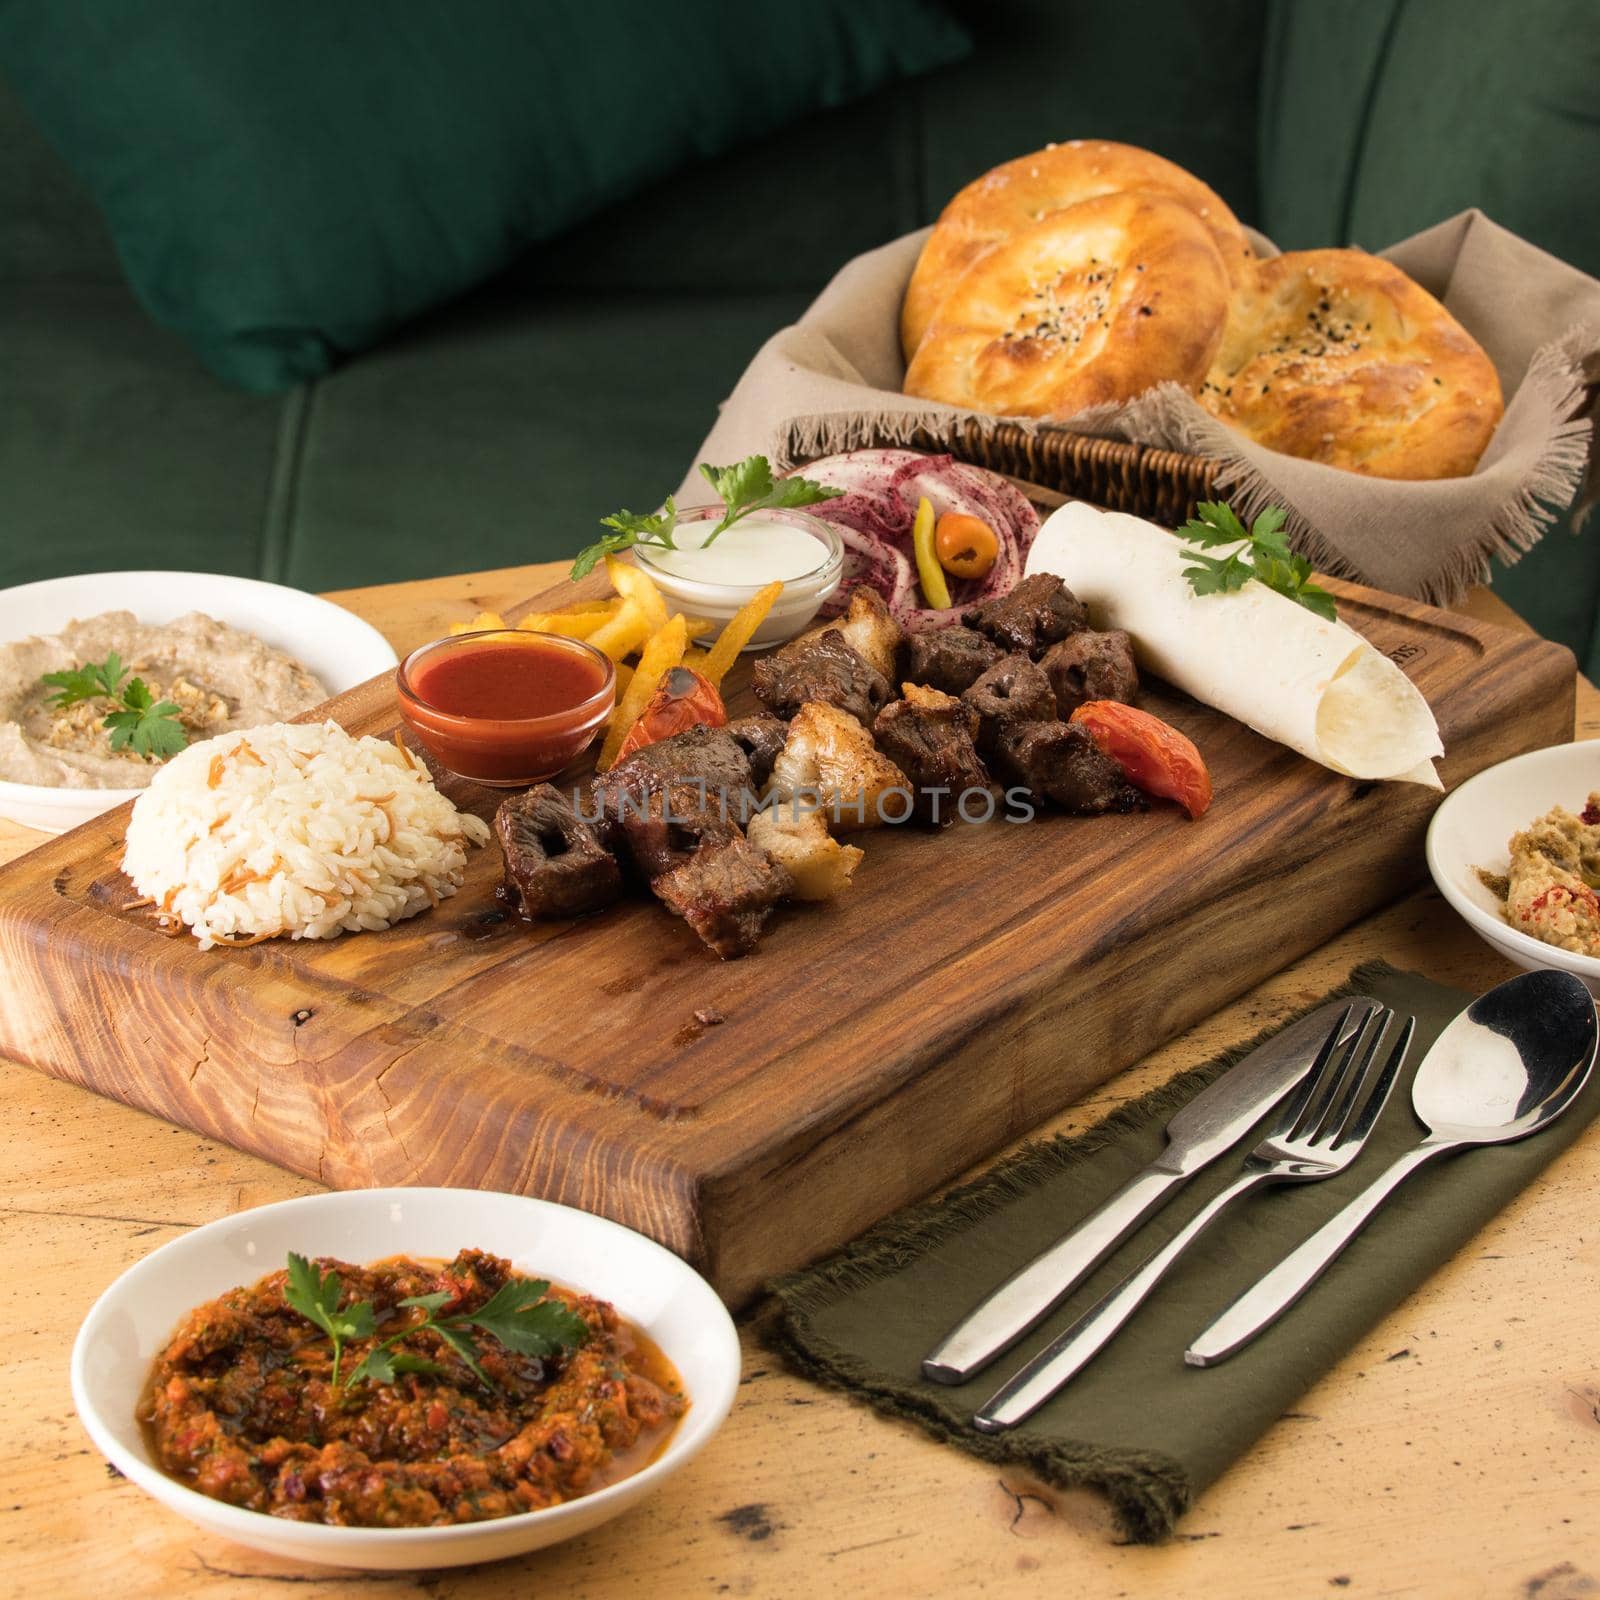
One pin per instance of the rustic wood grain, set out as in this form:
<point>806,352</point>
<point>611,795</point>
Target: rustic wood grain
<point>969,985</point>
<point>1450,1454</point>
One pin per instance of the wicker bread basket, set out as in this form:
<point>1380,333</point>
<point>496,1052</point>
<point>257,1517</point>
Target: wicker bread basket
<point>1160,485</point>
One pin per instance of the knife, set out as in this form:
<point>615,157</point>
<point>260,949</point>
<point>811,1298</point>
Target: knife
<point>1210,1124</point>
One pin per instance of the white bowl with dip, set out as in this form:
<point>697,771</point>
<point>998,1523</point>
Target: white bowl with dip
<point>333,644</point>
<point>712,582</point>
<point>1473,826</point>
<point>131,1323</point>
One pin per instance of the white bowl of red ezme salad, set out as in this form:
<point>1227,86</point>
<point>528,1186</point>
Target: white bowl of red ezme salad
<point>508,1373</point>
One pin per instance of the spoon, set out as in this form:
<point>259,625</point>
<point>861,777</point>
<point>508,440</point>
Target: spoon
<point>1508,1066</point>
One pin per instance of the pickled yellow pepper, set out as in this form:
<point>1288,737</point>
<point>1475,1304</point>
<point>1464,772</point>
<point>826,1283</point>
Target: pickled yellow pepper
<point>929,573</point>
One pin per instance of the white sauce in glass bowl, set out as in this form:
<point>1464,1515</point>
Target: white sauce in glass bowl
<point>803,553</point>
<point>755,550</point>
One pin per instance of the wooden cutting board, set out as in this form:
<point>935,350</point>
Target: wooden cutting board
<point>971,983</point>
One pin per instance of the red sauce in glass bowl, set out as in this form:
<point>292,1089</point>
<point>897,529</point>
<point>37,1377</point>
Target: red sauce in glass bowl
<point>506,707</point>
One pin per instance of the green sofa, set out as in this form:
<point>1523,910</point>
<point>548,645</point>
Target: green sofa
<point>496,430</point>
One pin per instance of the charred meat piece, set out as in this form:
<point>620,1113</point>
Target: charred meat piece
<point>1091,666</point>
<point>712,759</point>
<point>761,738</point>
<point>556,865</point>
<point>1040,610</point>
<point>869,630</point>
<point>821,666</point>
<point>1013,690</point>
<point>672,823</point>
<point>1059,762</point>
<point>725,891</point>
<point>949,659</point>
<point>928,735</point>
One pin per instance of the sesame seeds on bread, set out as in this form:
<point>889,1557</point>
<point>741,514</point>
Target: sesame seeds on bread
<point>1337,356</point>
<point>1019,193</point>
<point>1096,302</point>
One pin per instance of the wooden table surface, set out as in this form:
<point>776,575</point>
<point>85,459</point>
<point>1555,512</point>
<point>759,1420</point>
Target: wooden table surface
<point>1455,1452</point>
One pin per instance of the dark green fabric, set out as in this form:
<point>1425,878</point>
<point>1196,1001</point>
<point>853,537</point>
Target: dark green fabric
<point>1382,117</point>
<point>50,231</point>
<point>288,180</point>
<point>500,432</point>
<point>117,449</point>
<point>490,435</point>
<point>1137,1423</point>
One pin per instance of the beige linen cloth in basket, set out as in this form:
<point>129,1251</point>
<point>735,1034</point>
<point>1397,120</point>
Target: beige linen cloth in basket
<point>831,382</point>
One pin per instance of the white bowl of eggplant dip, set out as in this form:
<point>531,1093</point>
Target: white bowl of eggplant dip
<point>106,675</point>
<point>405,1378</point>
<point>1516,851</point>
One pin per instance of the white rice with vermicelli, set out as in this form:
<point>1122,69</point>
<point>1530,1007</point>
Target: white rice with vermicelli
<point>298,829</point>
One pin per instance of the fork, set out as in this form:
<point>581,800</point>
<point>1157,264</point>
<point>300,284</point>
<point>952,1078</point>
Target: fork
<point>1320,1131</point>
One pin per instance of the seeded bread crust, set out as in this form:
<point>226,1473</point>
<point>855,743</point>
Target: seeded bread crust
<point>1019,193</point>
<point>1098,302</point>
<point>1337,356</point>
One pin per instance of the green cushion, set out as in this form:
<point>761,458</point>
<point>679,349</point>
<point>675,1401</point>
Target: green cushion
<point>1040,70</point>
<point>500,431</point>
<point>488,435</point>
<point>287,180</point>
<point>1382,117</point>
<point>117,448</point>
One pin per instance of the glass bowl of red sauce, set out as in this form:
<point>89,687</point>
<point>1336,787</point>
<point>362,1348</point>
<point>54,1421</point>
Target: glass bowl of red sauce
<point>506,707</point>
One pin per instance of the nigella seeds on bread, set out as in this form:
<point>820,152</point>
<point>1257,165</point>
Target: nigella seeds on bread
<point>1337,356</point>
<point>1017,194</point>
<point>1096,303</point>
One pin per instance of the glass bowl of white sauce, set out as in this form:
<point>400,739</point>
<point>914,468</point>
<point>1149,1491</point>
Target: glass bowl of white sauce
<point>712,581</point>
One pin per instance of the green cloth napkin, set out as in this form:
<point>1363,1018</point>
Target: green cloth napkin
<point>1138,1424</point>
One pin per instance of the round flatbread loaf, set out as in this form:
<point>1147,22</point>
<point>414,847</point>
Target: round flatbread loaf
<point>1021,192</point>
<point>1337,356</point>
<point>1097,302</point>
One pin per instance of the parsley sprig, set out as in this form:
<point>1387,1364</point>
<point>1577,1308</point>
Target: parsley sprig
<point>137,720</point>
<point>517,1314</point>
<point>1260,551</point>
<point>747,486</point>
<point>316,1295</point>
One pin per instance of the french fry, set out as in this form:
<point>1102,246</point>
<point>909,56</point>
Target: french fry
<point>662,652</point>
<point>570,625</point>
<point>694,657</point>
<point>479,624</point>
<point>620,635</point>
<point>698,627</point>
<point>739,632</point>
<point>578,608</point>
<point>633,583</point>
<point>624,678</point>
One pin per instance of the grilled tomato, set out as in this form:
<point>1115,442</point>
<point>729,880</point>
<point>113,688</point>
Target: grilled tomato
<point>1156,757</point>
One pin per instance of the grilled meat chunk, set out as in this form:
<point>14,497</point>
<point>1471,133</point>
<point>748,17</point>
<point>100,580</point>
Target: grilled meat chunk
<point>1059,762</point>
<point>799,842</point>
<point>1091,666</point>
<point>671,824</point>
<point>761,738</point>
<point>711,759</point>
<point>556,865</point>
<point>928,735</point>
<point>1036,613</point>
<point>830,760</point>
<point>821,666</point>
<point>703,868</point>
<point>1013,690</point>
<point>868,629</point>
<point>950,659</point>
<point>725,892</point>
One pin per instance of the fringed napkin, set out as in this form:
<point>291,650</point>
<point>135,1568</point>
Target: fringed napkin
<point>1137,1424</point>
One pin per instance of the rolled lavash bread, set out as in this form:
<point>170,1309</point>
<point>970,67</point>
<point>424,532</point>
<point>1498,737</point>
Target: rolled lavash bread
<point>1314,685</point>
